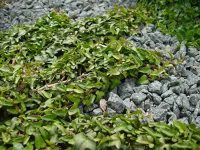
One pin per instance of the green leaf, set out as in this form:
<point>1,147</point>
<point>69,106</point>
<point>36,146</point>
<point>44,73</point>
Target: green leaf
<point>114,71</point>
<point>145,139</point>
<point>143,80</point>
<point>39,142</point>
<point>145,70</point>
<point>29,146</point>
<point>83,142</point>
<point>50,117</point>
<point>45,94</point>
<point>73,111</point>
<point>99,95</point>
<point>18,146</point>
<point>180,126</point>
<point>5,137</point>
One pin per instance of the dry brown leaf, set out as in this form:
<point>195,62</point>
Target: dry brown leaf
<point>103,105</point>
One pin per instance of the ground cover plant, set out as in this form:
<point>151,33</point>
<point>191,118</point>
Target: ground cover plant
<point>50,68</point>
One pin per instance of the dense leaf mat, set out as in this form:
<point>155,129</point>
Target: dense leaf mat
<point>50,68</point>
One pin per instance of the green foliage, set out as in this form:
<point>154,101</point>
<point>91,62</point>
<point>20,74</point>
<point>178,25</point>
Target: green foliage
<point>50,68</point>
<point>100,132</point>
<point>56,62</point>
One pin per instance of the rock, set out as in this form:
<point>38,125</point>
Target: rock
<point>182,52</point>
<point>97,111</point>
<point>145,92</point>
<point>195,70</point>
<point>28,2</point>
<point>115,102</point>
<point>176,89</point>
<point>137,89</point>
<point>90,108</point>
<point>197,58</point>
<point>197,121</point>
<point>192,79</point>
<point>192,52</point>
<point>179,101</point>
<point>195,90</point>
<point>176,110</point>
<point>164,88</point>
<point>164,105</point>
<point>190,61</point>
<point>186,103</point>
<point>186,113</point>
<point>129,105</point>
<point>156,98</point>
<point>155,87</point>
<point>141,105</point>
<point>111,112</point>
<point>174,83</point>
<point>197,110</point>
<point>138,98</point>
<point>171,99</point>
<point>148,104</point>
<point>159,114</point>
<point>172,116</point>
<point>184,88</point>
<point>167,94</point>
<point>126,88</point>
<point>181,70</point>
<point>194,99</point>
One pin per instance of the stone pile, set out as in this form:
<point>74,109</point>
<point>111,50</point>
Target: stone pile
<point>27,11</point>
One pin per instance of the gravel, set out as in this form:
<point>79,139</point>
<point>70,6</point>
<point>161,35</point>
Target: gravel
<point>174,98</point>
<point>27,11</point>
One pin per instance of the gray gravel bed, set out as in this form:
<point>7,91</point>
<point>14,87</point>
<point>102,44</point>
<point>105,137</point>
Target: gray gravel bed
<point>27,11</point>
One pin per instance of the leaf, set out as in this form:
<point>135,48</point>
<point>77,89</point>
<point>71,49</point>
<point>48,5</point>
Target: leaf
<point>114,71</point>
<point>83,142</point>
<point>180,126</point>
<point>143,80</point>
<point>2,147</point>
<point>99,94</point>
<point>45,94</point>
<point>157,72</point>
<point>5,137</point>
<point>18,146</point>
<point>73,111</point>
<point>145,139</point>
<point>145,70</point>
<point>39,142</point>
<point>50,117</point>
<point>60,112</point>
<point>29,146</point>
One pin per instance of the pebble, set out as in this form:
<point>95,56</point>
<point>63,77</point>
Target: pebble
<point>155,87</point>
<point>138,98</point>
<point>116,103</point>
